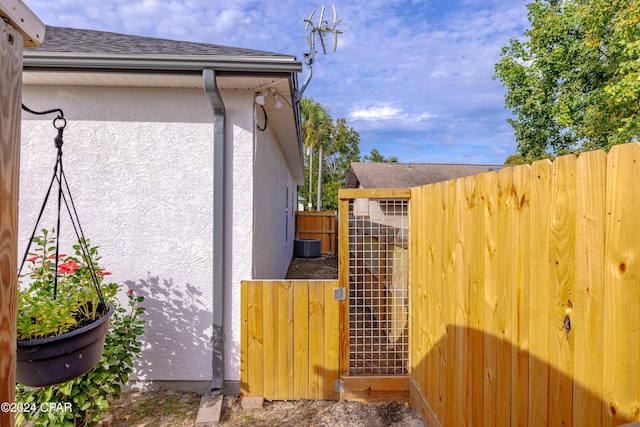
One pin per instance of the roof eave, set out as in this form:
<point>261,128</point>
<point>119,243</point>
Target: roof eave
<point>167,63</point>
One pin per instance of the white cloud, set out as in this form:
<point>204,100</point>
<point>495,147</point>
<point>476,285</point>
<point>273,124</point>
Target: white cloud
<point>401,66</point>
<point>376,113</point>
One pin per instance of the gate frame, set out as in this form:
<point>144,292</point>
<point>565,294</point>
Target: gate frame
<point>364,388</point>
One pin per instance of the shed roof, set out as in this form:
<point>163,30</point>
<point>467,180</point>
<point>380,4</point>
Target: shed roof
<point>407,175</point>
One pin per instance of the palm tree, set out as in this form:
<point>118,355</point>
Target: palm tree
<point>316,126</point>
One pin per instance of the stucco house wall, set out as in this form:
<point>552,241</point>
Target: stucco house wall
<point>139,164</point>
<point>275,191</point>
<point>239,207</point>
<point>144,128</point>
<point>140,167</point>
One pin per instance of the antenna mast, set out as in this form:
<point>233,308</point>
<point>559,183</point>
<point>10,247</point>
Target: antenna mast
<point>322,28</point>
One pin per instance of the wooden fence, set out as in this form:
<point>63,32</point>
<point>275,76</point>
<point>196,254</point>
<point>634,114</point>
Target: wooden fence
<point>524,301</point>
<point>525,294</point>
<point>289,339</point>
<point>321,225</point>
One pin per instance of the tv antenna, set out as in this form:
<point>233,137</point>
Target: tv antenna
<point>322,29</point>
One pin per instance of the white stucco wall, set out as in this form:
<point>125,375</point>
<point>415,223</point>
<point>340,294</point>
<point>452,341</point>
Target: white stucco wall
<point>140,167</point>
<point>275,196</point>
<point>239,206</point>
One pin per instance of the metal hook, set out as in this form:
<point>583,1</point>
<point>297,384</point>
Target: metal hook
<point>29,110</point>
<point>63,125</point>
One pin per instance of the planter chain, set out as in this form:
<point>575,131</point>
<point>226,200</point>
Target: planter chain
<point>58,175</point>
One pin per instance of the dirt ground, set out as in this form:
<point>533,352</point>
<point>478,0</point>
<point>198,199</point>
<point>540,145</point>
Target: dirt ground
<point>320,414</point>
<point>324,267</point>
<point>179,409</point>
<point>155,408</point>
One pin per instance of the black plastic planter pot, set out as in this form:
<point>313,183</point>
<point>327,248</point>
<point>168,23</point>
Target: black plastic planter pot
<point>62,358</point>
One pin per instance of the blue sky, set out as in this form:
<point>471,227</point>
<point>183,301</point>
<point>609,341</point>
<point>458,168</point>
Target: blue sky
<point>412,77</point>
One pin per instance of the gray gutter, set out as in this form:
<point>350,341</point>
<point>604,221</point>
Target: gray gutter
<point>219,240</point>
<point>166,63</point>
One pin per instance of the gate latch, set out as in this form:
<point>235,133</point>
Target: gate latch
<point>339,294</point>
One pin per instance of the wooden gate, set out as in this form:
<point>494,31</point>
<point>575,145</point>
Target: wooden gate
<point>289,339</point>
<point>374,271</point>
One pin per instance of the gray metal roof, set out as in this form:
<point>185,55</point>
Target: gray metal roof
<point>407,175</point>
<point>60,39</point>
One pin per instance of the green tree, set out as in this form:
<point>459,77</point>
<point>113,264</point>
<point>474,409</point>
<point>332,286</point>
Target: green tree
<point>342,149</point>
<point>376,157</point>
<point>316,129</point>
<point>519,159</point>
<point>572,82</point>
<point>330,149</point>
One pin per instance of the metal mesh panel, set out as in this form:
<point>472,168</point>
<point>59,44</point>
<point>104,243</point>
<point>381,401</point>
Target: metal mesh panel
<point>378,286</point>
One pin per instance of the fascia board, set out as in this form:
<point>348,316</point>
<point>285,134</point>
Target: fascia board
<point>160,63</point>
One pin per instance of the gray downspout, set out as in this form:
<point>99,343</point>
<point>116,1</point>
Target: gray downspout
<point>211,89</point>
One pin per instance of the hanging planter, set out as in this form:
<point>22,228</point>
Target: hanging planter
<point>63,308</point>
<point>64,357</point>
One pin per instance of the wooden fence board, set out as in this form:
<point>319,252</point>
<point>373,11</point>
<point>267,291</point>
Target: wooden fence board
<point>440,237</point>
<point>301,341</point>
<point>539,293</point>
<point>476,295</point>
<point>316,346</point>
<point>561,282</point>
<point>417,295</point>
<point>343,278</point>
<point>331,340</point>
<point>254,340</point>
<point>506,245</point>
<point>622,286</point>
<point>270,330</point>
<point>10,97</point>
<point>286,332</point>
<point>490,297</point>
<point>431,289</point>
<point>448,299</point>
<point>588,300</point>
<point>520,315</point>
<point>376,388</point>
<point>461,349</point>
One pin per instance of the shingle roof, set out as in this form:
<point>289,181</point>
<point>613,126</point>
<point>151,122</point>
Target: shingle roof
<point>407,175</point>
<point>60,39</point>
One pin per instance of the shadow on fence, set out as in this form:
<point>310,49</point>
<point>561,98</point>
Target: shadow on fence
<point>474,378</point>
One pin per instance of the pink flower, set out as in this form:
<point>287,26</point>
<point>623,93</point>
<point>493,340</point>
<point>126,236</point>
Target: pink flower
<point>130,292</point>
<point>68,267</point>
<point>54,257</point>
<point>33,258</point>
<point>102,273</point>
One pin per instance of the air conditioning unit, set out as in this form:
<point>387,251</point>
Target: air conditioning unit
<point>306,248</point>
